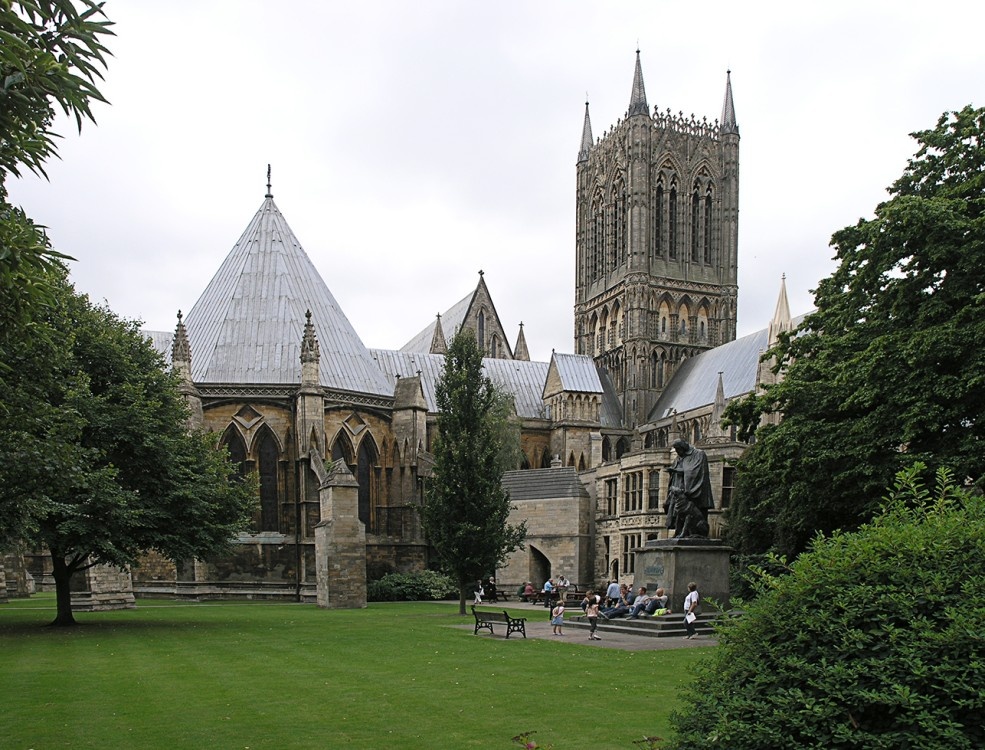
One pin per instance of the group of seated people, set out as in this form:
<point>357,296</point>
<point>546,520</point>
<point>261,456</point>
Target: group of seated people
<point>632,606</point>
<point>552,591</point>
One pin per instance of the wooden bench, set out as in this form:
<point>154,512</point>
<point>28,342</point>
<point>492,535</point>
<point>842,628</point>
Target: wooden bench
<point>485,620</point>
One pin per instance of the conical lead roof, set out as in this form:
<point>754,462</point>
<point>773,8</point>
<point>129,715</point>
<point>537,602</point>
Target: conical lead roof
<point>247,326</point>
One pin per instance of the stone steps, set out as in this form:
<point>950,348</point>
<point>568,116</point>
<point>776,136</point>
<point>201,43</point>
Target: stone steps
<point>667,626</point>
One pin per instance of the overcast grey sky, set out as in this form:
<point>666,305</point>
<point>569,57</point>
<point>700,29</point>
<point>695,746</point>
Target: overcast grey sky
<point>413,144</point>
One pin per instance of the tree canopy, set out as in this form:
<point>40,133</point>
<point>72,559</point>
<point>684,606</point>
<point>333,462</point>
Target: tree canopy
<point>51,57</point>
<point>96,462</point>
<point>466,509</point>
<point>889,368</point>
<point>873,639</point>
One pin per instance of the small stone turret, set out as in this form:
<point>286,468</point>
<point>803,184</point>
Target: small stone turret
<point>310,354</point>
<point>181,363</point>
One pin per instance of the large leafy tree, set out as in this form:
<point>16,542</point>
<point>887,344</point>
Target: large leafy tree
<point>96,462</point>
<point>466,509</point>
<point>51,57</point>
<point>890,368</point>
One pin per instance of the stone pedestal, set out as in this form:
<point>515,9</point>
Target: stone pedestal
<point>673,563</point>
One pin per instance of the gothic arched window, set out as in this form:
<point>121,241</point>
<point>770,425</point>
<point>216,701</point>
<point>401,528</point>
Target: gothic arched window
<point>237,449</point>
<point>482,332</point>
<point>708,227</point>
<point>695,226</point>
<point>267,469</point>
<point>672,215</point>
<point>619,249</point>
<point>366,477</point>
<point>658,215</point>
<point>342,448</point>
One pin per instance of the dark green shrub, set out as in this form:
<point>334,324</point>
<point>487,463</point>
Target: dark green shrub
<point>745,572</point>
<point>425,585</point>
<point>874,639</point>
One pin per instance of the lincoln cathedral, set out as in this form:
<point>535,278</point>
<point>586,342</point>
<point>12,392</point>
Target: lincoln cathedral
<point>340,434</point>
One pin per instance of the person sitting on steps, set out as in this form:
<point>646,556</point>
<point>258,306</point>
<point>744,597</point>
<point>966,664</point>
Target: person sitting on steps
<point>639,604</point>
<point>622,607</point>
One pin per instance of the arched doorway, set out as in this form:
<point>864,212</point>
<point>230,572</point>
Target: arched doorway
<point>539,567</point>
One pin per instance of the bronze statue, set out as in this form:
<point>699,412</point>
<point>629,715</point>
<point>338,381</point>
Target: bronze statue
<point>689,493</point>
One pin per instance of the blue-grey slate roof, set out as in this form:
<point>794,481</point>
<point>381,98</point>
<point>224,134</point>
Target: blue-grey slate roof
<point>543,484</point>
<point>247,325</point>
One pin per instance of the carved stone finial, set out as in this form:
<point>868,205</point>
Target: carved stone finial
<point>309,341</point>
<point>181,350</point>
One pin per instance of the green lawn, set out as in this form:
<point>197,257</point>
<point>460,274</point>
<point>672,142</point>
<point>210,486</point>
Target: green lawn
<point>235,675</point>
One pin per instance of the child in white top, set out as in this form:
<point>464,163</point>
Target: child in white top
<point>557,619</point>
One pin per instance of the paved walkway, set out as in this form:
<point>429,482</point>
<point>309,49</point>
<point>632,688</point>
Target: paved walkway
<point>539,626</point>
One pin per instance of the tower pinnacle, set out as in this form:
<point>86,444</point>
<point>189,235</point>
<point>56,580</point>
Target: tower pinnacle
<point>729,126</point>
<point>637,101</point>
<point>586,137</point>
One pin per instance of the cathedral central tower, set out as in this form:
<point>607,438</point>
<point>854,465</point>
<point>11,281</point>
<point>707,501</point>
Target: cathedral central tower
<point>656,244</point>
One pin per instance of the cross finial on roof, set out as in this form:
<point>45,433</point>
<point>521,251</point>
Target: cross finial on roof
<point>269,194</point>
<point>481,272</point>
<point>179,315</point>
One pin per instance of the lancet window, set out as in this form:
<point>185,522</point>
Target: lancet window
<point>695,226</point>
<point>672,223</point>
<point>707,238</point>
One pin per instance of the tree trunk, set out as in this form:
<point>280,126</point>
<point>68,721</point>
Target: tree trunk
<point>461,598</point>
<point>63,591</point>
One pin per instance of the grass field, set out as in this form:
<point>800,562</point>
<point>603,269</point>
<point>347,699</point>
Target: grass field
<point>253,675</point>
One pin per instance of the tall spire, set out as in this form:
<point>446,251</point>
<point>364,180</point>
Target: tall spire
<point>586,137</point>
<point>439,345</point>
<point>269,194</point>
<point>781,316</point>
<point>728,124</point>
<point>716,432</point>
<point>520,351</point>
<point>637,102</point>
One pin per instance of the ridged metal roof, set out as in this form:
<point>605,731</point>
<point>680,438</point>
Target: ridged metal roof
<point>247,325</point>
<point>696,381</point>
<point>161,341</point>
<point>451,321</point>
<point>611,411</point>
<point>578,373</point>
<point>525,380</point>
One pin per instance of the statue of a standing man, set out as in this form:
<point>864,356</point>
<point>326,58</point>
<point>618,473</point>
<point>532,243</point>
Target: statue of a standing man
<point>689,493</point>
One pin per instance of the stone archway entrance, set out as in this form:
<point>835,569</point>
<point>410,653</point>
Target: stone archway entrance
<point>540,567</point>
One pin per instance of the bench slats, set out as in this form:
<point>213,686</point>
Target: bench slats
<point>484,621</point>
